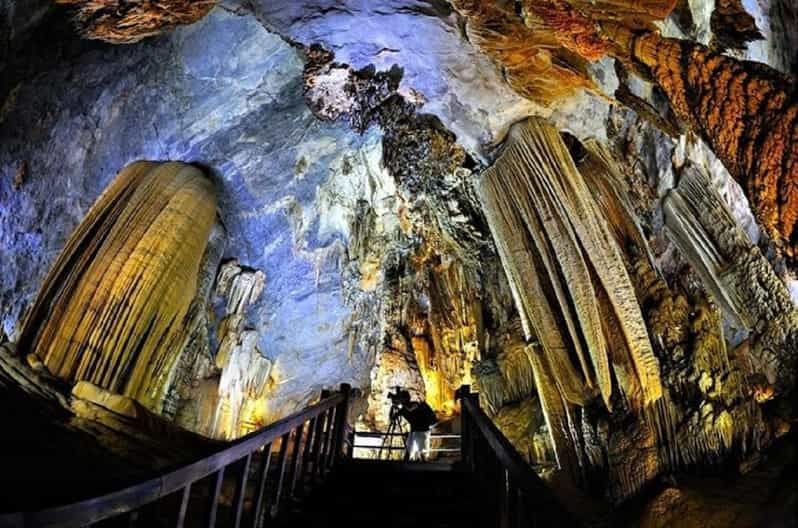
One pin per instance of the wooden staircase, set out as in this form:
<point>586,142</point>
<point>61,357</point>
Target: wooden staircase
<point>299,473</point>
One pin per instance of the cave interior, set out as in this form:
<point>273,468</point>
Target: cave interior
<point>568,227</point>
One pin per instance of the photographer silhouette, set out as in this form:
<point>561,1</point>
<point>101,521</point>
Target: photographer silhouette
<point>421,418</point>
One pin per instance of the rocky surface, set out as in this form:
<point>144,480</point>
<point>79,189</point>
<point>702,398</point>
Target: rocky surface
<point>75,124</point>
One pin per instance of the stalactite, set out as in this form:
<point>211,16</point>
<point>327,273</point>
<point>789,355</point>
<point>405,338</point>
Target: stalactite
<point>747,112</point>
<point>732,26</point>
<point>531,59</point>
<point>244,372</point>
<point>114,302</point>
<point>706,412</point>
<point>505,379</point>
<point>734,270</point>
<point>547,225</point>
<point>543,47</point>
<point>121,22</point>
<point>555,412</point>
<point>574,21</point>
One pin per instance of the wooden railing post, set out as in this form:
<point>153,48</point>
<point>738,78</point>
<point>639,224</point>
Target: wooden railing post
<point>282,460</point>
<point>295,461</point>
<point>216,488</point>
<point>310,441</point>
<point>261,501</point>
<point>241,489</point>
<point>467,453</point>
<point>318,446</point>
<point>340,424</point>
<point>327,445</point>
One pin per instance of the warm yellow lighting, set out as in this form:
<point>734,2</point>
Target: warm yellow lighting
<point>112,307</point>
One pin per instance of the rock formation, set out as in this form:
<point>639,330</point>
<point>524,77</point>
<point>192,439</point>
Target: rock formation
<point>114,303</point>
<point>546,224</point>
<point>531,58</point>
<point>243,370</point>
<point>746,112</point>
<point>734,270</point>
<point>123,22</point>
<point>570,284</point>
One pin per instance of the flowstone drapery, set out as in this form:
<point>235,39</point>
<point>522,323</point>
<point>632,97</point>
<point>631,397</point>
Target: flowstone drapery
<point>113,305</point>
<point>734,270</point>
<point>568,278</point>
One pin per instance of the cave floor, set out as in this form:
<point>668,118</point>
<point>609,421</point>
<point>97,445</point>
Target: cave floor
<point>766,496</point>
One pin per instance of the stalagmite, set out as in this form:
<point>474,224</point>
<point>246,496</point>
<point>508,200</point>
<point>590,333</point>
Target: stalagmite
<point>558,252</point>
<point>244,372</point>
<point>734,270</point>
<point>747,113</point>
<point>114,302</point>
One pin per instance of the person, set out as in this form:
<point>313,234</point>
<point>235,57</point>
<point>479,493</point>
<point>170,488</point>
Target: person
<point>420,416</point>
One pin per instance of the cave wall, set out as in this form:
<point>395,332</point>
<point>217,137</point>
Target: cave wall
<point>226,94</point>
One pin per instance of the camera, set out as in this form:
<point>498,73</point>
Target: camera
<point>399,398</point>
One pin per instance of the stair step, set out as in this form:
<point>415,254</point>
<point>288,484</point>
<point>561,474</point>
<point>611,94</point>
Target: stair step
<point>367,493</point>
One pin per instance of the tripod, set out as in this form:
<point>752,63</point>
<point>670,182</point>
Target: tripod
<point>396,428</point>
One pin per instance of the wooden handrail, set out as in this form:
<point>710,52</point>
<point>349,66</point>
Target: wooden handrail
<point>523,498</point>
<point>132,498</point>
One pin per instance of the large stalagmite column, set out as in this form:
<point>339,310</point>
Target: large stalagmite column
<point>111,309</point>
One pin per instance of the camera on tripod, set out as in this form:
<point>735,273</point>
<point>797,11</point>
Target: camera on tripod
<point>399,397</point>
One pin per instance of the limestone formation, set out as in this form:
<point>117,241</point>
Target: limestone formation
<point>222,393</point>
<point>747,113</point>
<point>707,413</point>
<point>543,47</point>
<point>734,270</point>
<point>115,300</point>
<point>121,22</point>
<point>531,59</point>
<point>558,253</point>
<point>506,379</point>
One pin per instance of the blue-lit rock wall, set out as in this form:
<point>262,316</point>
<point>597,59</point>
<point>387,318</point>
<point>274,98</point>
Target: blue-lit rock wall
<point>223,93</point>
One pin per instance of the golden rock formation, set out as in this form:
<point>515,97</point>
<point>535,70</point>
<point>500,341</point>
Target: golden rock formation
<point>675,432</point>
<point>121,22</point>
<point>113,305</point>
<point>558,252</point>
<point>531,58</point>
<point>747,113</point>
<point>543,51</point>
<point>568,276</point>
<point>506,379</point>
<point>222,393</point>
<point>736,272</point>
